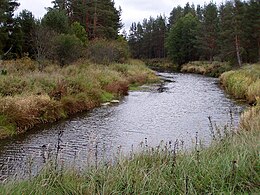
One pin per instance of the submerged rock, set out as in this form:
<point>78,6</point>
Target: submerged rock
<point>105,104</point>
<point>115,101</point>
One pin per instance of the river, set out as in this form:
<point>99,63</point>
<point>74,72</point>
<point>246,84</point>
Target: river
<point>177,109</point>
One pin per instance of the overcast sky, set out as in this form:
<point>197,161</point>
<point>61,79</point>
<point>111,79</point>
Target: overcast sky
<point>132,10</point>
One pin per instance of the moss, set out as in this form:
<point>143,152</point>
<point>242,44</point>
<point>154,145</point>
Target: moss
<point>106,97</point>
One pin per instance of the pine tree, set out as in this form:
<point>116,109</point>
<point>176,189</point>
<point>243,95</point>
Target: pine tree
<point>27,24</point>
<point>175,15</point>
<point>100,18</point>
<point>252,27</point>
<point>209,30</point>
<point>181,42</point>
<point>232,33</point>
<point>7,25</point>
<point>56,20</point>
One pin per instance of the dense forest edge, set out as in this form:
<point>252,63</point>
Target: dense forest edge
<point>73,59</point>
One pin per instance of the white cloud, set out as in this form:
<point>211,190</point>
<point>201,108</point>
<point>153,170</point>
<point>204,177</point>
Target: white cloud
<point>132,10</point>
<point>37,7</point>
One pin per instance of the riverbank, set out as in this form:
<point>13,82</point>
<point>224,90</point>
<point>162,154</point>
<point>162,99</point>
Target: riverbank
<point>243,83</point>
<point>229,166</point>
<point>29,97</point>
<point>214,69</point>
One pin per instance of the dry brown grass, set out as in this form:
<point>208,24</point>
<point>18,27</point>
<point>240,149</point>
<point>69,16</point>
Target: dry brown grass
<point>29,97</point>
<point>250,119</point>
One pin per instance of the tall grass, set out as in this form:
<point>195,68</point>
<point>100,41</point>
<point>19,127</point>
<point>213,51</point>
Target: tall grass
<point>229,166</point>
<point>29,97</point>
<point>243,83</point>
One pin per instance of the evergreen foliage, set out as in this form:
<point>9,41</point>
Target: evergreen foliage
<point>147,40</point>
<point>8,26</point>
<point>229,32</point>
<point>181,43</point>
<point>100,18</point>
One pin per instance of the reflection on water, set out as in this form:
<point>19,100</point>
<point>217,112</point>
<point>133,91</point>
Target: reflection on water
<point>175,110</point>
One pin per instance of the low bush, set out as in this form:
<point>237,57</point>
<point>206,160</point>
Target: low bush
<point>68,48</point>
<point>106,52</point>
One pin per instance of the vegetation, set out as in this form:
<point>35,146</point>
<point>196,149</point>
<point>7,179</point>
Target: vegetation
<point>29,97</point>
<point>214,69</point>
<point>229,165</point>
<point>161,64</point>
<point>77,50</point>
<point>228,32</point>
<point>243,83</point>
<point>65,30</point>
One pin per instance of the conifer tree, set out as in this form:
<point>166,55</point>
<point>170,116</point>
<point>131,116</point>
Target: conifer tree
<point>209,30</point>
<point>7,25</point>
<point>181,42</point>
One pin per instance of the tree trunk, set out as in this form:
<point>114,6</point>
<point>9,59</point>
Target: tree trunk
<point>238,52</point>
<point>259,50</point>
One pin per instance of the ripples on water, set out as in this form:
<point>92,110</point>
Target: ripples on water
<point>177,110</point>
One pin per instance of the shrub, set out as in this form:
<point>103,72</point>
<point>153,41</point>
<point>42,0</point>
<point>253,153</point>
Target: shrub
<point>68,48</point>
<point>105,52</point>
<point>78,30</point>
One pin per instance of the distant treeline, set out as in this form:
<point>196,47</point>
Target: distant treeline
<point>229,32</point>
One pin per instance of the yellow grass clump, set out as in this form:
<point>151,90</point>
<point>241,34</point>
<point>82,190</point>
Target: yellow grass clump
<point>243,83</point>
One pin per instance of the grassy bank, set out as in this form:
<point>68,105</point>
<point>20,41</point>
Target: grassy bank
<point>161,64</point>
<point>243,83</point>
<point>229,166</point>
<point>29,97</point>
<point>214,69</point>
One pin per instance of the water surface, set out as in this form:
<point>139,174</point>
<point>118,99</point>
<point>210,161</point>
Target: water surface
<point>176,109</point>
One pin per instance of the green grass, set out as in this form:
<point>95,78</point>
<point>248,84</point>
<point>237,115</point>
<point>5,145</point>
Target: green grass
<point>6,127</point>
<point>243,83</point>
<point>229,166</point>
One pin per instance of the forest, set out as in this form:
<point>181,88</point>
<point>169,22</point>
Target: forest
<point>228,32</point>
<point>68,31</point>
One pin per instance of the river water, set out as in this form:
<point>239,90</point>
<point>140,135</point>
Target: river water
<point>176,109</point>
